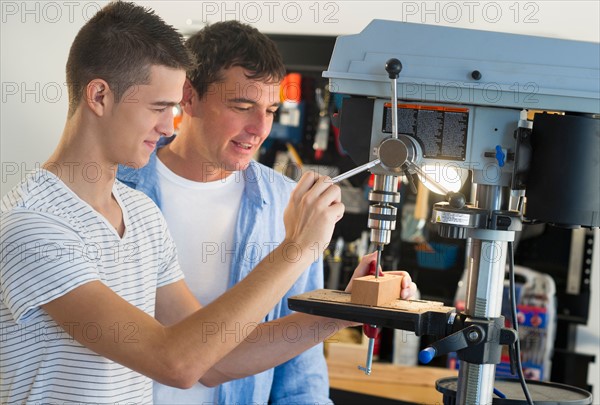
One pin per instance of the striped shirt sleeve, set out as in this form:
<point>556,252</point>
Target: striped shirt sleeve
<point>41,259</point>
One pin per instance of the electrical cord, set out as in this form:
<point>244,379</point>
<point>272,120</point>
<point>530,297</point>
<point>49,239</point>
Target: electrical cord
<point>513,307</point>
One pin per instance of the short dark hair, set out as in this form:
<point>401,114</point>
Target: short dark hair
<point>227,44</point>
<point>120,44</point>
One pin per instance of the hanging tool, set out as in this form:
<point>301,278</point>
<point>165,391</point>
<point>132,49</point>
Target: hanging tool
<point>335,264</point>
<point>322,134</point>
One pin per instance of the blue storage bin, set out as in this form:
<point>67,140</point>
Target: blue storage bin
<point>443,258</point>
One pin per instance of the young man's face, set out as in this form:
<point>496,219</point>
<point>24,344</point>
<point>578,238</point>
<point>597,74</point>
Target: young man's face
<point>232,120</point>
<point>144,114</point>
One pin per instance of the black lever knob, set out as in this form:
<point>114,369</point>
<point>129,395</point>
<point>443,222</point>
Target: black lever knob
<point>456,200</point>
<point>393,67</point>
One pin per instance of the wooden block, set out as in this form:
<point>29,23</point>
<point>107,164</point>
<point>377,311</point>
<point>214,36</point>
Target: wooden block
<point>372,291</point>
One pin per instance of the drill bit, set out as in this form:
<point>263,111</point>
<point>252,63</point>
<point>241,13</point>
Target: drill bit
<point>378,262</point>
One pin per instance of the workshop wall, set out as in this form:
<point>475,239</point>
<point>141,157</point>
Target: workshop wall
<point>36,35</point>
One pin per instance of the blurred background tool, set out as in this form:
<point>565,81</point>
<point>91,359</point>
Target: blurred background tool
<point>335,264</point>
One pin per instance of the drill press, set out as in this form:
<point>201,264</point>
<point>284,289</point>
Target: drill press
<point>461,103</point>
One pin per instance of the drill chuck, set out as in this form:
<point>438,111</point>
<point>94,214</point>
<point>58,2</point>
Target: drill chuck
<point>382,215</point>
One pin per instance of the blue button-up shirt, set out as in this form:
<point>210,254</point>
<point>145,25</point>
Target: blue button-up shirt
<point>303,379</point>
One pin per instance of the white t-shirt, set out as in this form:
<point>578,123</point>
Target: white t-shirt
<point>202,218</point>
<point>51,243</point>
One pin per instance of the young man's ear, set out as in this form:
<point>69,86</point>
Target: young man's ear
<point>189,97</point>
<point>98,96</point>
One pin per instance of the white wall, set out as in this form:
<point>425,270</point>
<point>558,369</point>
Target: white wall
<point>35,41</point>
<point>564,19</point>
<point>36,35</point>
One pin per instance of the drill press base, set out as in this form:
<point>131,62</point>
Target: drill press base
<point>542,393</point>
<point>421,317</point>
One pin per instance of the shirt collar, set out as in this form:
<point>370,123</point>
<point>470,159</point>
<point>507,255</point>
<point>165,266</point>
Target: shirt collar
<point>255,184</point>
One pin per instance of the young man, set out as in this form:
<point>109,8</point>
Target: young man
<point>225,210</point>
<point>91,294</point>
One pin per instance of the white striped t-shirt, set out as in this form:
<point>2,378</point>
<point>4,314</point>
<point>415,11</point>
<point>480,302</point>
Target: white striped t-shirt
<point>52,242</point>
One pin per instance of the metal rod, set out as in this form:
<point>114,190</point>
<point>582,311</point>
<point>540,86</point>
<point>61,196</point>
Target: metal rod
<point>367,368</point>
<point>487,262</point>
<point>394,109</point>
<point>356,170</point>
<point>432,182</point>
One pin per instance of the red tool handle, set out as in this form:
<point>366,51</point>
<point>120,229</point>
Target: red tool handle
<point>370,331</point>
<point>372,269</point>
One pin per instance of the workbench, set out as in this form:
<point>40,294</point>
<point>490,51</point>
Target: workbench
<point>397,384</point>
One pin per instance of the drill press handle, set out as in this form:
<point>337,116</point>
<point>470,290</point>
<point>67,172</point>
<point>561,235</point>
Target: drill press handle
<point>478,341</point>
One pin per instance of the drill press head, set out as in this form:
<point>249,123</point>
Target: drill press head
<point>457,106</point>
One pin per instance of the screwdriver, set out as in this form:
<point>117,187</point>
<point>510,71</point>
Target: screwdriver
<point>356,170</point>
